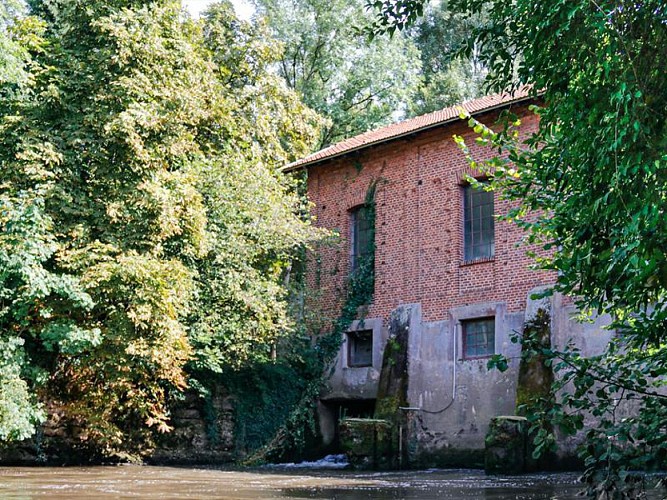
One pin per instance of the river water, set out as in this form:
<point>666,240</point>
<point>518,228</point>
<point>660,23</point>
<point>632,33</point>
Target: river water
<point>149,482</point>
<point>321,480</point>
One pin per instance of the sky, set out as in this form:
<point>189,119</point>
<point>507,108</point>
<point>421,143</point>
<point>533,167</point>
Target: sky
<point>243,8</point>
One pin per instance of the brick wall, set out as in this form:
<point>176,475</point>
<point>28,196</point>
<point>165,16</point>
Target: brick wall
<point>419,227</point>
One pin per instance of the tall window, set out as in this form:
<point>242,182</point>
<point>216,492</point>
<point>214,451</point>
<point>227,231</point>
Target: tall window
<point>362,235</point>
<point>478,224</point>
<point>479,337</point>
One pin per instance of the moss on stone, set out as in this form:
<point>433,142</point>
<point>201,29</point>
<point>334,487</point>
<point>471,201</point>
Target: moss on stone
<point>387,408</point>
<point>368,443</point>
<point>393,385</point>
<point>535,378</point>
<point>505,445</point>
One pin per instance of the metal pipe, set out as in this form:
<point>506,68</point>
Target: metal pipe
<point>457,330</point>
<point>400,446</point>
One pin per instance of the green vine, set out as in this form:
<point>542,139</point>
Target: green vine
<point>359,292</point>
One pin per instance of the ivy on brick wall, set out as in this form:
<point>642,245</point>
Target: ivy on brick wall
<point>298,423</point>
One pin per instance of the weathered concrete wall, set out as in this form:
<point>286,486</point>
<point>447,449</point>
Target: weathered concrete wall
<point>591,337</point>
<point>453,398</point>
<point>450,400</point>
<point>349,382</point>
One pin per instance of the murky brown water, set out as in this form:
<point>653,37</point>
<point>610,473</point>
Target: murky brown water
<point>206,483</point>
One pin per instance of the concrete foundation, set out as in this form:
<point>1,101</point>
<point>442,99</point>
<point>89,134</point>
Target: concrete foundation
<point>450,400</point>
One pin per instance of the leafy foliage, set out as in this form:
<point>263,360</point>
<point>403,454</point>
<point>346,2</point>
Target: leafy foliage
<point>355,83</point>
<point>241,310</point>
<point>619,390</point>
<point>19,412</point>
<point>144,226</point>
<point>33,302</point>
<point>446,77</point>
<point>593,172</point>
<point>12,52</point>
<point>359,82</point>
<point>393,15</point>
<point>265,394</point>
<point>594,175</point>
<point>318,351</point>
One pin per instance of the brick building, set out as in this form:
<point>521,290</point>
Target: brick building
<point>453,272</point>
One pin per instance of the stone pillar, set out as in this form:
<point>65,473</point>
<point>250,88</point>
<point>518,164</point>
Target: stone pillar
<point>393,386</point>
<point>535,377</point>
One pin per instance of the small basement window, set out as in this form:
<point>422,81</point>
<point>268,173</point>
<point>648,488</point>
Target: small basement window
<point>360,348</point>
<point>479,337</point>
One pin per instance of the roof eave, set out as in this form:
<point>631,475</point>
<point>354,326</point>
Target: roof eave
<point>292,167</point>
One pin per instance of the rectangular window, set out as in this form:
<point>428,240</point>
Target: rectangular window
<point>362,235</point>
<point>478,224</point>
<point>479,337</point>
<point>360,348</point>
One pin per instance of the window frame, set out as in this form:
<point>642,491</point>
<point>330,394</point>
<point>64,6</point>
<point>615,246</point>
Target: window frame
<point>356,252</point>
<point>474,240</point>
<point>352,337</point>
<point>489,343</point>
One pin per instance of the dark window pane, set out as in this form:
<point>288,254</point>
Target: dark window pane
<point>362,234</point>
<point>478,224</point>
<point>360,348</point>
<point>479,337</point>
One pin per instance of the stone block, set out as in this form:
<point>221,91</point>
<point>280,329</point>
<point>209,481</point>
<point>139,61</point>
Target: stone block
<point>505,445</point>
<point>368,443</point>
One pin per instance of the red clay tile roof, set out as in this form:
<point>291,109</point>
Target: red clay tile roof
<point>400,129</point>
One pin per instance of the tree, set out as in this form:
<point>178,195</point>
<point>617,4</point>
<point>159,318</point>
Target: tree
<point>595,171</point>
<point>446,78</point>
<point>241,308</point>
<point>24,245</point>
<point>328,60</point>
<point>12,53</point>
<point>153,224</point>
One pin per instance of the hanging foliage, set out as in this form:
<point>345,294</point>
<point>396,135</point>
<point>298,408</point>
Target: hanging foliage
<point>144,227</point>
